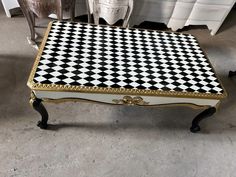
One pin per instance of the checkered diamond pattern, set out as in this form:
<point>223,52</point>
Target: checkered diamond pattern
<point>102,56</point>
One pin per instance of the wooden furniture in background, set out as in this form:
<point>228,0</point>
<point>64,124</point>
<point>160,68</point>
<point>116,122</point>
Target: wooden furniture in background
<point>42,9</point>
<point>179,13</point>
<point>111,10</point>
<point>174,13</point>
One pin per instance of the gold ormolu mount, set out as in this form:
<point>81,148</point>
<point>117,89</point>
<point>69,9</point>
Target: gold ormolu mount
<point>128,100</point>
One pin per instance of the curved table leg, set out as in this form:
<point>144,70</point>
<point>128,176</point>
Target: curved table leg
<point>232,73</point>
<point>206,113</point>
<point>38,106</point>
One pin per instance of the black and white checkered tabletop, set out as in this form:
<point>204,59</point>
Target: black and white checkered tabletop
<point>111,57</point>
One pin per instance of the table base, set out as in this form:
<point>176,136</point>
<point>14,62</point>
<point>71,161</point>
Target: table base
<point>39,107</point>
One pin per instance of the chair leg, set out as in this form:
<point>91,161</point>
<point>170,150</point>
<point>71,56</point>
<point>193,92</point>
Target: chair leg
<point>88,11</point>
<point>60,5</point>
<point>30,19</point>
<point>125,21</point>
<point>96,12</point>
<point>33,36</point>
<point>32,27</point>
<point>72,10</point>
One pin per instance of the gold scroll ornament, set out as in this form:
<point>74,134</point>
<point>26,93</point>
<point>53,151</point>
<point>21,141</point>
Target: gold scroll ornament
<point>128,100</point>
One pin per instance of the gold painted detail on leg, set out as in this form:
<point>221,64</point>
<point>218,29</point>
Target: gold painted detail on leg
<point>32,98</point>
<point>128,100</point>
<point>217,106</point>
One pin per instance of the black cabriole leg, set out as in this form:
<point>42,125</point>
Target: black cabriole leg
<point>206,113</point>
<point>232,73</point>
<point>38,106</point>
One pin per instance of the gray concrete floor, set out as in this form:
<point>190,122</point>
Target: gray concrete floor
<point>92,140</point>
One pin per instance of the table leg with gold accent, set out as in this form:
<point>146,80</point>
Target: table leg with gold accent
<point>232,73</point>
<point>38,106</point>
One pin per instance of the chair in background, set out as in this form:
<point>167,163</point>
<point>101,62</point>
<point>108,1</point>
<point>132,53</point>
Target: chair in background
<point>42,9</point>
<point>112,10</point>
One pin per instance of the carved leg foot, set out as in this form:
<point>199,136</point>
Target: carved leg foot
<point>38,106</point>
<point>232,73</point>
<point>42,124</point>
<point>206,113</point>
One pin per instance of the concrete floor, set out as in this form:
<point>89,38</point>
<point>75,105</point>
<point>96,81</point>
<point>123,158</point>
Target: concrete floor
<point>92,140</point>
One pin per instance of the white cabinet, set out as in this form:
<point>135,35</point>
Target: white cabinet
<point>211,13</point>
<point>179,13</point>
<point>152,10</point>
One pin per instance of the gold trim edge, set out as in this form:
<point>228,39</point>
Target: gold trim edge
<point>36,62</point>
<point>70,88</point>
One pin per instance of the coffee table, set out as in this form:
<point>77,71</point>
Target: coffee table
<point>119,66</point>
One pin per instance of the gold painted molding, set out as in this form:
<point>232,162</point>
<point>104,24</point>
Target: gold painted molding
<point>106,90</point>
<point>63,100</point>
